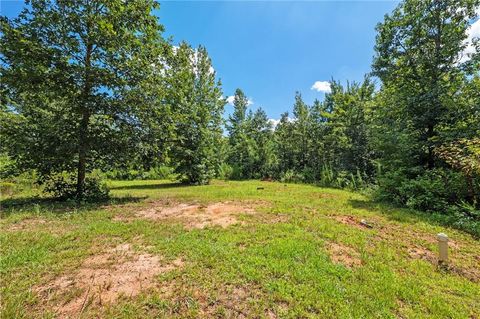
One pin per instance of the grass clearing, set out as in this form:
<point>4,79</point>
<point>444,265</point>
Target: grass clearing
<point>287,251</point>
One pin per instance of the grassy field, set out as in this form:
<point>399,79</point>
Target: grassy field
<point>230,250</point>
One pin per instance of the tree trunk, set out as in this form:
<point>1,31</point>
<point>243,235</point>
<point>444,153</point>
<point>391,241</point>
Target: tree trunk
<point>83,129</point>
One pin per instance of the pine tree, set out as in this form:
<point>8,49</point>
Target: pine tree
<point>347,126</point>
<point>260,132</point>
<point>241,155</point>
<point>285,144</point>
<point>301,130</point>
<point>196,99</point>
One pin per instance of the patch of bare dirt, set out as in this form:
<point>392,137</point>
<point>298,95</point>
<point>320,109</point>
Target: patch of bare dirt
<point>422,253</point>
<point>351,221</point>
<point>270,314</point>
<point>341,254</point>
<point>196,216</point>
<point>104,278</point>
<point>472,274</point>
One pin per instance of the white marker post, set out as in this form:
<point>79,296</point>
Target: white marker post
<point>442,249</point>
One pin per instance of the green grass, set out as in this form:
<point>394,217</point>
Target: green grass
<point>274,264</point>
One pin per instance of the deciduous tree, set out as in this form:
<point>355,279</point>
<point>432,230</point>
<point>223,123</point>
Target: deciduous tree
<point>68,71</point>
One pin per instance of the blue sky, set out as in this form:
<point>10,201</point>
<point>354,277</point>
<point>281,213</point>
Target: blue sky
<point>271,49</point>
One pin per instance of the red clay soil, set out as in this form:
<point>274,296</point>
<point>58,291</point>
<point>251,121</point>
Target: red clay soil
<point>344,255</point>
<point>193,216</point>
<point>102,279</point>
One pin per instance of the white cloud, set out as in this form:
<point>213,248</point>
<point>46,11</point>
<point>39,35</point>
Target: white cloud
<point>274,122</point>
<point>321,86</point>
<point>472,32</point>
<point>231,98</point>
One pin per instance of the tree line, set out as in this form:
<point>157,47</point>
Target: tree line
<point>94,85</point>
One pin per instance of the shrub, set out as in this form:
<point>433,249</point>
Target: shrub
<point>389,186</point>
<point>124,174</point>
<point>7,188</point>
<point>467,217</point>
<point>24,182</point>
<point>358,181</point>
<point>442,192</point>
<point>433,190</point>
<point>464,156</point>
<point>237,172</point>
<point>64,185</point>
<point>225,171</point>
<point>159,172</point>
<point>427,192</point>
<point>291,176</point>
<point>7,167</point>
<point>341,179</point>
<point>326,176</point>
<point>309,175</point>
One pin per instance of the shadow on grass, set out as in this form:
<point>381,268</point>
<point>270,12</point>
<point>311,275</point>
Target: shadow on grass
<point>38,204</point>
<point>13,205</point>
<point>410,216</point>
<point>151,186</point>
